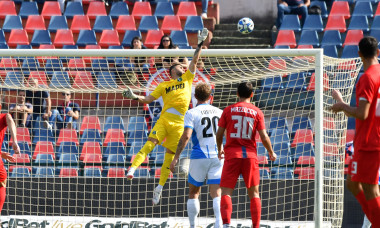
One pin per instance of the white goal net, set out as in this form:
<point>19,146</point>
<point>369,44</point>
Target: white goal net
<point>73,174</point>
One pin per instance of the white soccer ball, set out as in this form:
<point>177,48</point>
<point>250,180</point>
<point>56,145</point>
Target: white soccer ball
<point>245,25</point>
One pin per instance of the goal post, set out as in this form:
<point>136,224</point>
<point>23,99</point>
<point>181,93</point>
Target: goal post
<point>292,87</point>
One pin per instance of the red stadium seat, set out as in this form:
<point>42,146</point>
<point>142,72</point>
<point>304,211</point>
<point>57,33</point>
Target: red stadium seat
<point>305,46</point>
<point>68,172</point>
<point>186,9</point>
<point>311,86</point>
<point>93,46</point>
<point>43,147</point>
<point>377,11</point>
<point>18,36</point>
<point>51,9</point>
<point>303,136</point>
<point>8,63</point>
<point>80,22</point>
<point>141,9</point>
<point>63,37</point>
<point>306,173</point>
<point>7,8</point>
<point>88,59</point>
<point>353,37</point>
<point>40,75</point>
<point>23,135</point>
<point>19,166</point>
<point>262,159</point>
<point>125,22</point>
<point>109,38</point>
<point>277,64</point>
<point>21,158</point>
<point>336,23</point>
<point>47,46</point>
<point>330,149</point>
<point>340,8</point>
<point>286,37</point>
<point>35,22</point>
<point>328,123</point>
<point>76,63</point>
<point>67,135</point>
<point>153,38</point>
<point>92,158</point>
<point>90,148</point>
<point>90,122</point>
<point>306,160</point>
<point>171,23</point>
<point>350,133</point>
<point>114,135</point>
<point>96,9</point>
<point>83,80</point>
<point>116,172</point>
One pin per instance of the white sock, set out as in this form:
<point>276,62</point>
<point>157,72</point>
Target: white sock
<point>159,187</point>
<point>226,225</point>
<point>132,170</point>
<point>216,207</point>
<point>193,208</point>
<point>366,222</point>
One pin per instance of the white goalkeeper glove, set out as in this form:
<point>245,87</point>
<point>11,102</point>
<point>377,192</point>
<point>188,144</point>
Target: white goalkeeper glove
<point>129,94</point>
<point>202,35</point>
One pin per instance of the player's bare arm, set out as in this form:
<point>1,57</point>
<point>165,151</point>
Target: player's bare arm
<point>12,129</point>
<point>267,144</point>
<point>202,35</point>
<point>128,93</point>
<point>181,146</point>
<point>219,141</point>
<point>360,112</point>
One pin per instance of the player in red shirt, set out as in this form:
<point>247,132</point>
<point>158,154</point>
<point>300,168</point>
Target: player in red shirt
<point>363,176</point>
<point>241,121</point>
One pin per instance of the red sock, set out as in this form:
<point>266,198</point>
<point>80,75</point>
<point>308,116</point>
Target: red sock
<point>226,209</point>
<point>374,211</point>
<point>360,197</point>
<point>2,197</point>
<point>255,212</point>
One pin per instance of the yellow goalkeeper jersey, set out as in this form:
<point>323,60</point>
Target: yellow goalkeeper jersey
<point>175,93</point>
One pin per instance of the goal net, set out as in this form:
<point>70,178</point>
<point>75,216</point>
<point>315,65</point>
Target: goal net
<point>72,166</point>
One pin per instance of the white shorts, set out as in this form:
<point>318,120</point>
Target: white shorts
<point>200,168</point>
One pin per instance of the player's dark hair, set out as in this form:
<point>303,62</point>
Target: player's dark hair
<point>368,46</point>
<point>172,66</point>
<point>245,90</point>
<point>202,91</point>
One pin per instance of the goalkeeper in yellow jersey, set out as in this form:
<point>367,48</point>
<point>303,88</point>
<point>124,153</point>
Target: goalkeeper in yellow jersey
<point>176,95</point>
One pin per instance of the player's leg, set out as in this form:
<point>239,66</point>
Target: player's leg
<point>226,205</point>
<point>165,172</point>
<point>193,206</point>
<point>251,175</point>
<point>356,189</point>
<point>213,180</point>
<point>254,196</point>
<point>371,192</point>
<point>2,193</point>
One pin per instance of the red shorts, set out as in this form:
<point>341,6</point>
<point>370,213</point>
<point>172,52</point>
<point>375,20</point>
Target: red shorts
<point>3,172</point>
<point>364,167</point>
<point>232,168</point>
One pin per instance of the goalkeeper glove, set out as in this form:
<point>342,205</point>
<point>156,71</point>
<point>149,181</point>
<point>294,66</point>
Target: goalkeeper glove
<point>202,35</point>
<point>129,94</point>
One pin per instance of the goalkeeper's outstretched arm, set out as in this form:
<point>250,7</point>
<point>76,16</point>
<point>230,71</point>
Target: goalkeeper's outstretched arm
<point>202,35</point>
<point>128,93</point>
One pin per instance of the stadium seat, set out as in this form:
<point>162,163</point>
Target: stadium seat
<point>90,148</point>
<point>86,37</point>
<point>92,172</point>
<point>309,37</point>
<point>14,79</point>
<point>7,8</point>
<point>109,38</point>
<point>193,24</point>
<point>28,8</point>
<point>153,38</point>
<point>278,123</point>
<point>114,122</point>
<point>301,123</point>
<point>179,38</point>
<point>359,23</point>
<point>148,23</point>
<point>41,37</point>
<point>79,23</point>
<point>68,172</point>
<point>92,158</point>
<point>2,40</point>
<point>281,147</point>
<point>303,149</point>
<point>114,135</point>
<point>73,8</point>
<point>21,158</point>
<point>271,83</point>
<point>336,23</point>
<point>20,172</point>
<point>117,159</point>
<point>67,135</point>
<point>40,75</point>
<point>375,33</point>
<point>30,64</point>
<point>23,135</point>
<point>376,23</point>
<point>52,64</point>
<point>306,160</point>
<point>91,135</point>
<point>125,23</point>
<point>164,9</point>
<point>63,37</point>
<point>102,23</point>
<point>186,9</point>
<point>286,37</point>
<point>90,122</point>
<point>363,9</point>
<point>291,22</point>
<point>60,79</point>
<point>330,149</point>
<point>283,161</point>
<point>119,9</point>
<point>99,63</point>
<point>322,5</point>
<point>76,64</point>
<point>303,136</point>
<point>96,9</point>
<point>12,22</point>
<point>350,134</point>
<point>142,173</point>
<point>264,174</point>
<point>43,147</point>
<point>350,51</point>
<point>282,173</point>
<point>17,37</point>
<point>42,134</point>
<point>116,172</point>
<point>171,23</point>
<point>106,80</point>
<point>8,63</point>
<point>3,45</point>
<point>340,9</point>
<point>307,173</point>
<point>83,80</point>
<point>141,9</point>
<point>353,37</point>
<point>68,148</point>
<point>129,35</point>
<point>115,148</point>
<point>43,158</point>
<point>51,9</point>
<point>332,37</point>
<point>24,148</point>
<point>313,22</point>
<point>57,22</point>
<point>295,82</point>
<point>137,128</point>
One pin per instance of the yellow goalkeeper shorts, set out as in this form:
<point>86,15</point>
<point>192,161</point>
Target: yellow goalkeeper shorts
<point>169,126</point>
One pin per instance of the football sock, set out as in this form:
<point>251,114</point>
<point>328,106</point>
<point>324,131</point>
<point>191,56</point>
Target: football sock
<point>159,187</point>
<point>366,222</point>
<point>141,155</point>
<point>255,212</point>
<point>2,197</point>
<point>216,207</point>
<point>374,211</point>
<point>193,208</point>
<point>226,209</point>
<point>360,197</point>
<point>165,169</point>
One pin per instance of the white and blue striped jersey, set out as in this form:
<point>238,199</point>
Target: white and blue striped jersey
<point>203,119</point>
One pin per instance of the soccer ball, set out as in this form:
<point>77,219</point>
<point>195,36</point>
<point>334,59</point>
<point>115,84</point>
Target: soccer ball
<point>245,25</point>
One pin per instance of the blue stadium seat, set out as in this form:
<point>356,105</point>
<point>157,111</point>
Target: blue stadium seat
<point>86,37</point>
<point>375,23</point>
<point>137,128</point>
<point>118,8</point>
<point>114,122</point>
<point>99,63</point>
<point>351,123</point>
<point>330,50</point>
<point>44,158</point>
<point>313,22</point>
<point>14,79</point>
<point>24,148</point>
<point>193,24</point>
<point>303,149</point>
<point>20,172</point>
<point>68,160</point>
<point>283,160</point>
<point>91,135</point>
<point>179,38</point>
<point>53,65</point>
<point>148,23</point>
<point>350,51</point>
<point>359,22</point>
<point>282,47</point>
<point>28,8</point>
<point>44,172</point>
<point>92,172</point>
<point>363,8</point>
<point>295,82</point>
<point>309,37</point>
<point>163,9</point>
<point>261,151</point>
<point>69,47</point>
<point>115,148</point>
<point>40,37</point>
<point>272,83</point>
<point>60,79</point>
<point>68,148</point>
<point>281,148</point>
<point>332,37</point>
<point>128,36</point>
<point>3,45</point>
<point>42,134</point>
<point>119,159</point>
<point>102,23</point>
<point>278,123</point>
<point>23,46</point>
<point>323,7</point>
<point>106,80</point>
<point>122,62</point>
<point>301,123</point>
<point>142,172</point>
<point>291,22</point>
<point>73,8</point>
<point>30,64</point>
<point>57,22</point>
<point>12,22</point>
<point>264,174</point>
<point>282,173</point>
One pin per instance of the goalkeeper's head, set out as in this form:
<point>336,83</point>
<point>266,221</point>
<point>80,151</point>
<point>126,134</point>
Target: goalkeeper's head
<point>368,47</point>
<point>176,70</point>
<point>245,90</point>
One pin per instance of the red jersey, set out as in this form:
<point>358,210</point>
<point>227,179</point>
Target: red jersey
<point>241,121</point>
<point>3,128</point>
<point>367,132</point>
